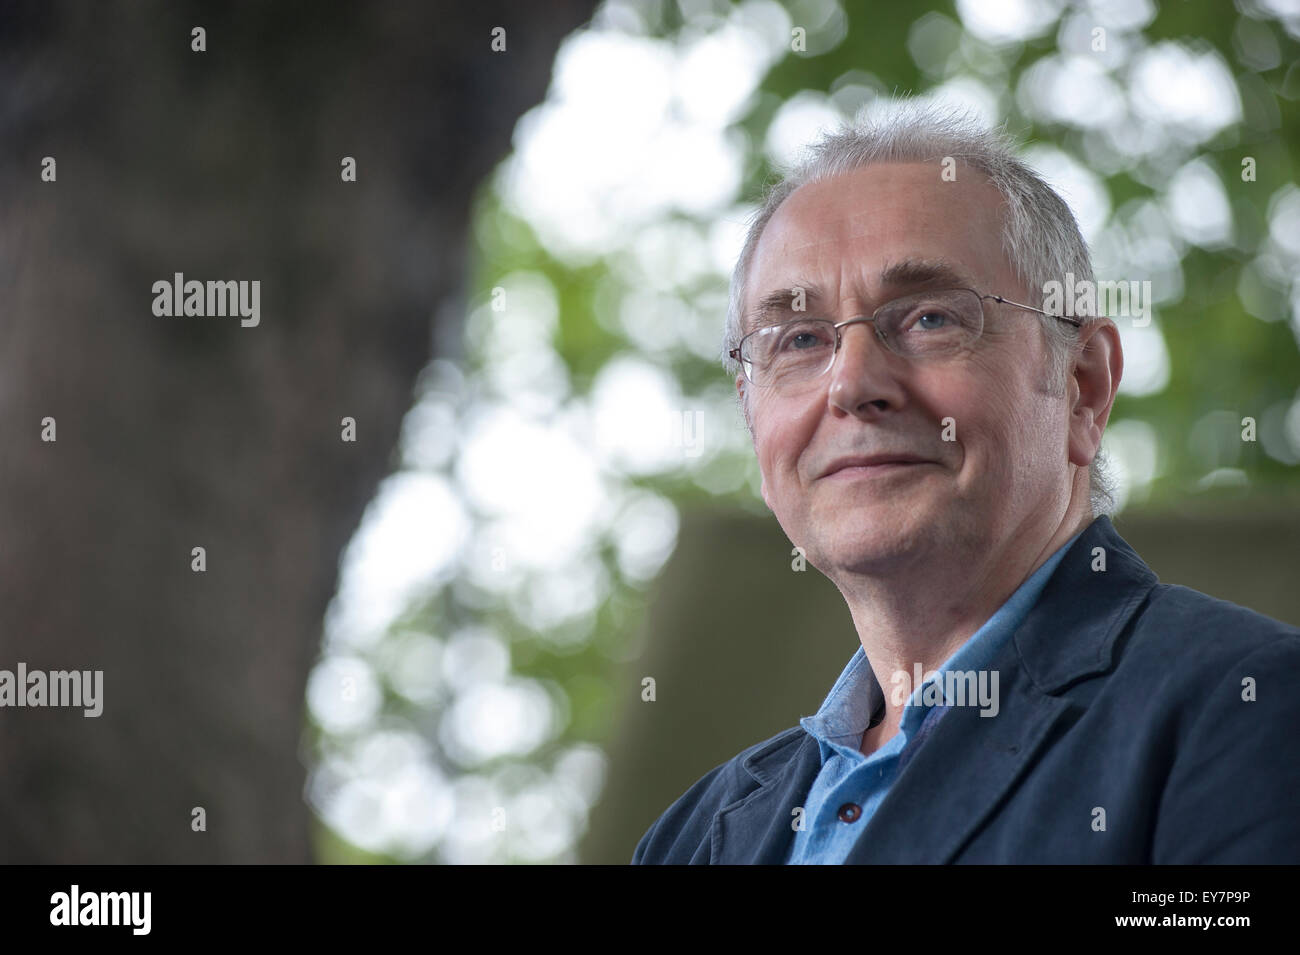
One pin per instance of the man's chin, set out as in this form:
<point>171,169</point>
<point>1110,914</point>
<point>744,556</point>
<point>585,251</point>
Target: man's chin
<point>872,522</point>
<point>892,541</point>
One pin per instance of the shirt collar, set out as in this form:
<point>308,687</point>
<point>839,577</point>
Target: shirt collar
<point>847,710</point>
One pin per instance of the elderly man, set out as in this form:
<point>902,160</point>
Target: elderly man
<point>1026,690</point>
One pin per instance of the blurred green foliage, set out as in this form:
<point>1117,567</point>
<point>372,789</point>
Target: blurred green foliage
<point>1222,357</point>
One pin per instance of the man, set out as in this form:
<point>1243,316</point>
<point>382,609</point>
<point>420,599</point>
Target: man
<point>1026,690</point>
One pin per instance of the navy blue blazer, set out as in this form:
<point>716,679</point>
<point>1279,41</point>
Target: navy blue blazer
<point>1175,713</point>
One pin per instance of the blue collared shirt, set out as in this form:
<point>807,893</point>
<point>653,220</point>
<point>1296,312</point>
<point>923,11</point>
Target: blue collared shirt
<point>850,786</point>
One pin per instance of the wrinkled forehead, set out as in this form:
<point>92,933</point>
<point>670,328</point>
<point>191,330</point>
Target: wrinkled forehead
<point>848,234</point>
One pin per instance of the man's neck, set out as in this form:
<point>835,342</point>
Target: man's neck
<point>923,618</point>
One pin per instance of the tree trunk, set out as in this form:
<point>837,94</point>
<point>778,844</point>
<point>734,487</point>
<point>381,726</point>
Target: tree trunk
<point>180,432</point>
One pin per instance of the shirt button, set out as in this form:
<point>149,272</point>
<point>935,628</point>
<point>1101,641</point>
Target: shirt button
<point>850,812</point>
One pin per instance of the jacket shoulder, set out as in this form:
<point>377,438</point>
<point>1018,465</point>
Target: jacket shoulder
<point>1217,680</point>
<point>682,833</point>
<point>1208,625</point>
<point>1181,644</point>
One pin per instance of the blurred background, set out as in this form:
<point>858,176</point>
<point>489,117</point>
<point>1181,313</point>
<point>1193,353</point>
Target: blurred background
<point>431,644</point>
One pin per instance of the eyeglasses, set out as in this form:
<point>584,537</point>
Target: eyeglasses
<point>921,327</point>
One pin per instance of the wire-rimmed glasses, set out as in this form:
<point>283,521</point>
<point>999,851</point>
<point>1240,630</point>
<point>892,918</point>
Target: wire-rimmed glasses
<point>922,327</point>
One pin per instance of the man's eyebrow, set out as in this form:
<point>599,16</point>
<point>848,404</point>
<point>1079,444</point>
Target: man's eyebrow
<point>904,275</point>
<point>779,303</point>
<point>929,273</point>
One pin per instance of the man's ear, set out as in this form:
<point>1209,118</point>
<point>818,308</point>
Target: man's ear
<point>744,403</point>
<point>1095,381</point>
<point>744,407</point>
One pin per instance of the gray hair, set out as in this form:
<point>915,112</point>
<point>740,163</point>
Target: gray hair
<point>1039,236</point>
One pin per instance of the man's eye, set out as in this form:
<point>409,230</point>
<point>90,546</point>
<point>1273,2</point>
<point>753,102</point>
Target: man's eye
<point>933,319</point>
<point>803,338</point>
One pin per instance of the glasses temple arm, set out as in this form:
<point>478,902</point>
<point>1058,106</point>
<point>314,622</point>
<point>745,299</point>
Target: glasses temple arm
<point>1007,301</point>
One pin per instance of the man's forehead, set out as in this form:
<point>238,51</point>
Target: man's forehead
<point>879,222</point>
<point>864,202</point>
<point>849,225</point>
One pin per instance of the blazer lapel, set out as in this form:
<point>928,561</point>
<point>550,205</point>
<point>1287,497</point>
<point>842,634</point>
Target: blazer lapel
<point>950,786</point>
<point>953,782</point>
<point>758,828</point>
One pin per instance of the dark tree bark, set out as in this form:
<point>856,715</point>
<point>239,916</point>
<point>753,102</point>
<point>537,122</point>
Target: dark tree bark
<point>174,433</point>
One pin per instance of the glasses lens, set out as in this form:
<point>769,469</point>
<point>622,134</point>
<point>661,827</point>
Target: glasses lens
<point>788,353</point>
<point>932,324</point>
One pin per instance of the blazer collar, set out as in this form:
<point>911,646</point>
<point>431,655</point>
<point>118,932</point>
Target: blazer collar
<point>757,829</point>
<point>1098,586</point>
<point>1069,634</point>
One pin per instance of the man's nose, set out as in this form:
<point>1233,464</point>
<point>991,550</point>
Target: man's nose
<point>864,374</point>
